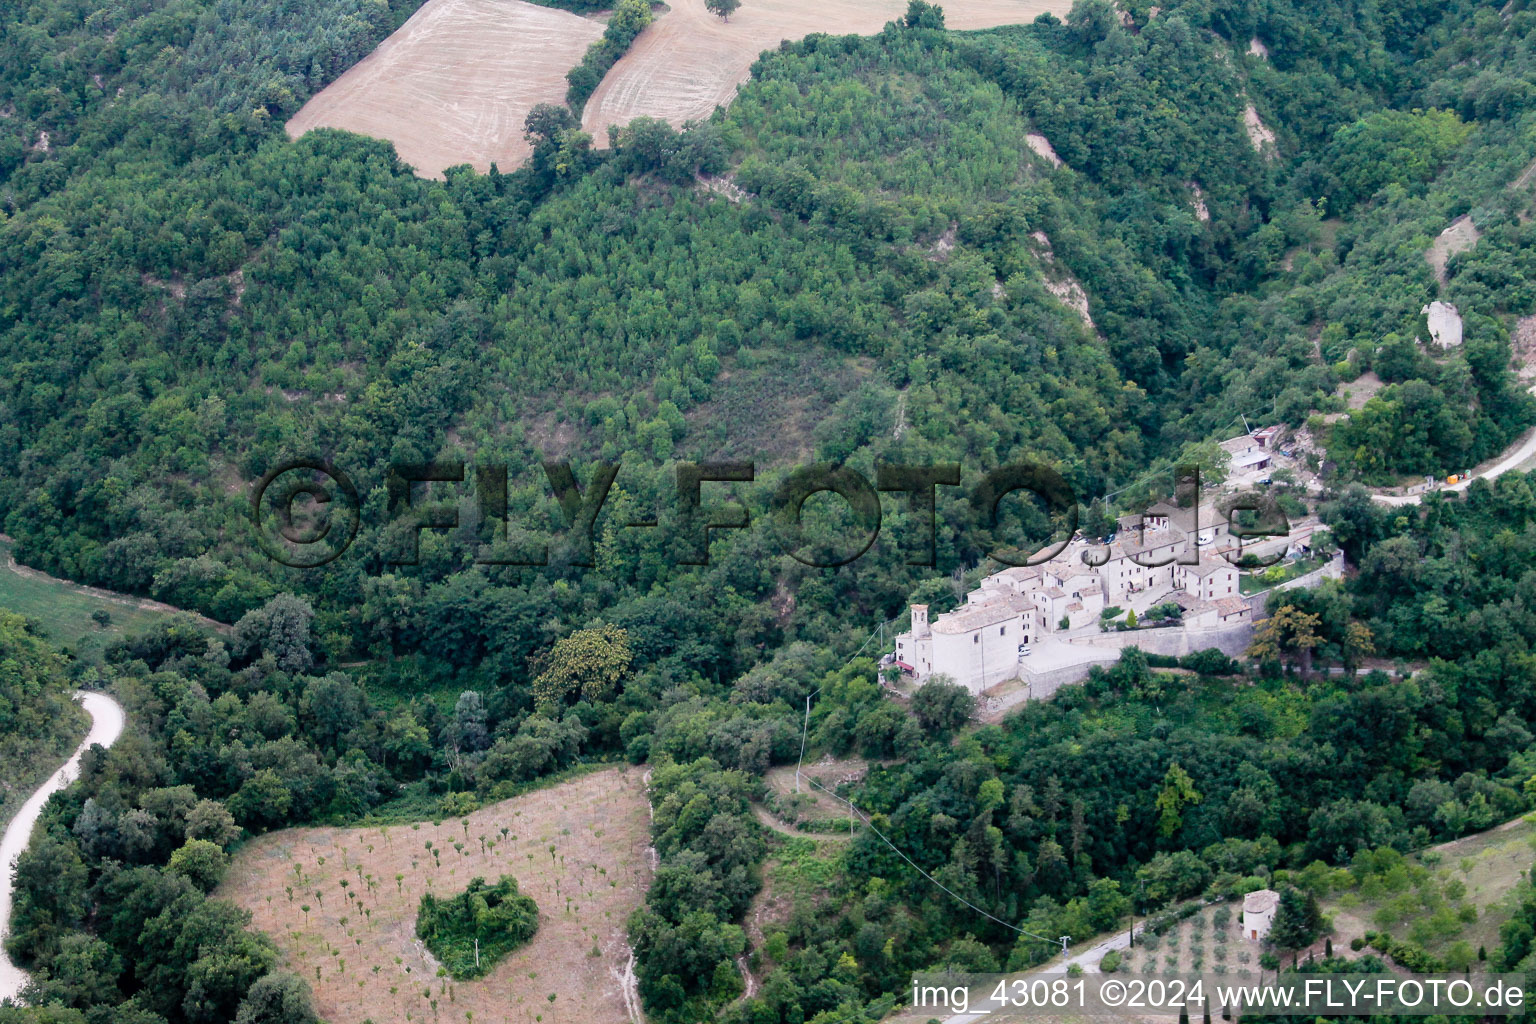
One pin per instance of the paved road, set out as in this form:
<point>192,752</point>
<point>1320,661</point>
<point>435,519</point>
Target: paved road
<point>1088,960</point>
<point>107,722</point>
<point>1524,448</point>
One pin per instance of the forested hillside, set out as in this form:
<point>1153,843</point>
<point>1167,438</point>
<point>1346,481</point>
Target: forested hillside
<point>860,260</point>
<point>39,724</point>
<point>192,298</point>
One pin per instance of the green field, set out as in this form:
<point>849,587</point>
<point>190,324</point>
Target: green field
<point>64,609</point>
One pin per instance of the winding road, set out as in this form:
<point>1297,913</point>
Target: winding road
<point>107,720</point>
<point>1087,960</point>
<point>1523,449</point>
<point>768,819</point>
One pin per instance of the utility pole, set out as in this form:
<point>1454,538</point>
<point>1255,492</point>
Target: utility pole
<point>1140,897</point>
<point>803,730</point>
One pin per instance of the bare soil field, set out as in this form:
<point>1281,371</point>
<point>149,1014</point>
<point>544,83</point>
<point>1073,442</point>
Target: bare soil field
<point>1043,148</point>
<point>1060,282</point>
<point>456,82</point>
<point>341,905</point>
<point>689,61</point>
<point>1524,341</point>
<point>1258,133</point>
<point>1210,942</point>
<point>1460,236</point>
<point>1360,390</point>
<point>812,804</point>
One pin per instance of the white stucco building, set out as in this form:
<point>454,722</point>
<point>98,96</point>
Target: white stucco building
<point>978,644</point>
<point>1149,561</point>
<point>1207,581</point>
<point>1259,913</point>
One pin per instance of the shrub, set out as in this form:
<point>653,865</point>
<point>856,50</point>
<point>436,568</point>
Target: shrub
<point>1210,662</point>
<point>456,805</point>
<point>1414,958</point>
<point>1459,956</point>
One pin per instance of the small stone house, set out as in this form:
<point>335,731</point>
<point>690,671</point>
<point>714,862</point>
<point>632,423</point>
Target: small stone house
<point>1259,913</point>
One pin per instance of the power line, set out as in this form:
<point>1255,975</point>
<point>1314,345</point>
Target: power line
<point>1160,472</point>
<point>805,731</point>
<point>806,727</point>
<point>1135,483</point>
<point>916,867</point>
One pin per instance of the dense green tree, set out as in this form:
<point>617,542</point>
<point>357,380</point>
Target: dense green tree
<point>277,998</point>
<point>942,706</point>
<point>1298,920</point>
<point>202,862</point>
<point>83,973</point>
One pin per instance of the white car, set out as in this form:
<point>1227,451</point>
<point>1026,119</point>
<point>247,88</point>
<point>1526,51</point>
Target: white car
<point>1023,650</point>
